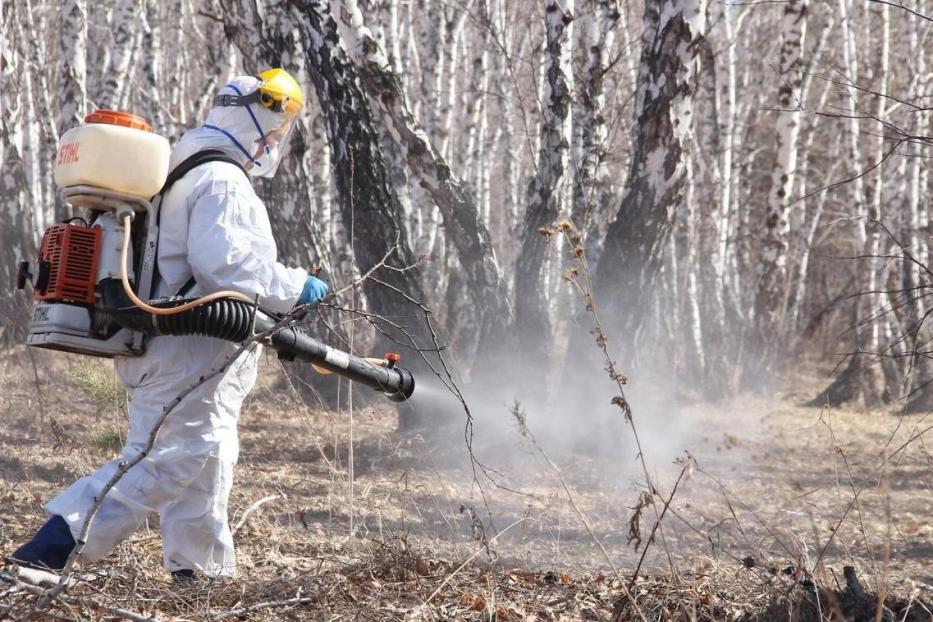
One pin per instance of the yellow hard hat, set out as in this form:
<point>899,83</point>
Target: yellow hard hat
<point>277,91</point>
<point>280,91</point>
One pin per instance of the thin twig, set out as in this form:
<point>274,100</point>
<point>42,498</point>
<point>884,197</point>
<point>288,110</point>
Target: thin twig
<point>116,612</point>
<point>479,550</point>
<point>269,604</point>
<point>657,524</point>
<point>252,508</point>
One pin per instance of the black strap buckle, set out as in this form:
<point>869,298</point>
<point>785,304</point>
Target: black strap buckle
<point>227,100</point>
<point>241,100</point>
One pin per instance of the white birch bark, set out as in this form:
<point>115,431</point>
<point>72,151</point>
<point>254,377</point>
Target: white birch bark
<point>876,205</point>
<point>484,163</point>
<point>590,168</point>
<point>853,154</point>
<point>533,323</point>
<point>127,89</point>
<point>152,61</point>
<point>72,86</point>
<point>813,208</point>
<point>742,260</point>
<point>728,138</point>
<point>412,57</point>
<point>696,352</point>
<point>394,37</point>
<point>115,75</point>
<point>431,26</point>
<point>712,364</point>
<point>474,105</point>
<point>770,297</point>
<point>916,185</point>
<point>175,79</point>
<point>449,73</point>
<point>629,58</point>
<point>17,237</point>
<point>920,369</point>
<point>464,228</point>
<point>44,192</point>
<point>636,241</point>
<point>33,156</point>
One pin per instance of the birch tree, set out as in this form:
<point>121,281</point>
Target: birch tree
<point>115,76</point>
<point>715,374</point>
<point>533,324</point>
<point>771,294</point>
<point>371,212</point>
<point>72,85</point>
<point>16,231</point>
<point>590,180</point>
<point>858,378</point>
<point>920,395</point>
<point>464,225</point>
<point>636,241</point>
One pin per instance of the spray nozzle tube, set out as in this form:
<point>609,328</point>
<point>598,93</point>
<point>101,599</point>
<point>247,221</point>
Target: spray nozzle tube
<point>233,320</point>
<point>397,383</point>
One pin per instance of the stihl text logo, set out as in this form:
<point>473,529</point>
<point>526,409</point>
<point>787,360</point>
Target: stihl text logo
<point>68,153</point>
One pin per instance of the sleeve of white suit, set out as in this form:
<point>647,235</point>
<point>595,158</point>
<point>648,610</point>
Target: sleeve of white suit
<point>230,246</point>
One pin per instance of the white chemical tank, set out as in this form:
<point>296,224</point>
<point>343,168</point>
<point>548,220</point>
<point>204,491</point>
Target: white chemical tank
<point>113,150</point>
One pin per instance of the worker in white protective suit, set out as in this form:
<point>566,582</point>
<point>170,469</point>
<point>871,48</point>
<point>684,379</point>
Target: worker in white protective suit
<point>215,229</point>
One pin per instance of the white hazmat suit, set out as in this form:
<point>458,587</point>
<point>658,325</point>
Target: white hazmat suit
<point>214,227</point>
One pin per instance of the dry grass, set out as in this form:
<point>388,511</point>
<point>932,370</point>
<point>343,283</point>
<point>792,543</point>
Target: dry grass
<point>760,528</point>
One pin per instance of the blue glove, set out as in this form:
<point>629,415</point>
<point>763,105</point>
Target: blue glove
<point>315,289</point>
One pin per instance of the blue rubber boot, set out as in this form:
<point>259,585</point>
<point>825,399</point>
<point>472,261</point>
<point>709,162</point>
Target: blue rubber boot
<point>49,548</point>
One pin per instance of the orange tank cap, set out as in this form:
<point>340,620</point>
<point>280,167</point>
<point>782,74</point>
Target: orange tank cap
<point>393,357</point>
<point>115,117</point>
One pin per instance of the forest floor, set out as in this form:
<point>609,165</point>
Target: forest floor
<point>775,500</point>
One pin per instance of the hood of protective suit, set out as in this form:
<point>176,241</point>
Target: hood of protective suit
<point>232,130</point>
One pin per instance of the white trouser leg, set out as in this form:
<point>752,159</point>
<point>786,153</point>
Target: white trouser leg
<point>197,436</point>
<point>144,489</point>
<point>195,532</point>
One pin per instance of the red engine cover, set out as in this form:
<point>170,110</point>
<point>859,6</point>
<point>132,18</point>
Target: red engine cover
<point>71,253</point>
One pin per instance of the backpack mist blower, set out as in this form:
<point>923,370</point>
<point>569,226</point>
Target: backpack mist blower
<point>93,278</point>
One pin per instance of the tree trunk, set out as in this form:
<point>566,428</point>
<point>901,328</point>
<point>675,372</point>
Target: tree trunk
<point>768,335</point>
<point>868,376</point>
<point>115,78</point>
<point>532,315</point>
<point>372,213</point>
<point>920,381</point>
<point>590,167</point>
<point>16,202</point>
<point>72,85</point>
<point>152,64</point>
<point>463,223</point>
<point>636,241</point>
<point>717,352</point>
